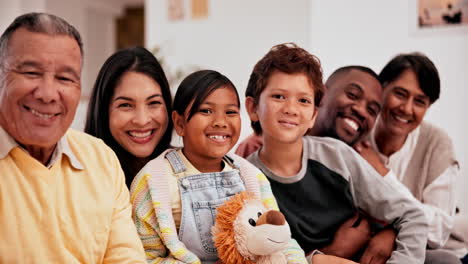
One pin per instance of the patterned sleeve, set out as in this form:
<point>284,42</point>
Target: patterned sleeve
<point>145,218</point>
<point>293,252</point>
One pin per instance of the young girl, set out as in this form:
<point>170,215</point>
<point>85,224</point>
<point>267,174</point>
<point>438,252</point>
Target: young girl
<point>175,196</point>
<point>129,108</point>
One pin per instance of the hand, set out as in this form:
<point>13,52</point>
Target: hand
<point>380,247</point>
<point>327,259</point>
<point>364,148</point>
<point>350,237</point>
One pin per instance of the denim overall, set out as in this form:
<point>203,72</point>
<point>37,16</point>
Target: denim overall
<point>200,195</point>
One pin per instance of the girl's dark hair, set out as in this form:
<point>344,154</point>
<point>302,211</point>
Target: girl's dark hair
<point>197,87</point>
<point>136,59</point>
<point>421,65</point>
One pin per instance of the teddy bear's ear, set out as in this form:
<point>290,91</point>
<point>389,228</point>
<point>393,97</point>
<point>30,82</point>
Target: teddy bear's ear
<point>271,217</point>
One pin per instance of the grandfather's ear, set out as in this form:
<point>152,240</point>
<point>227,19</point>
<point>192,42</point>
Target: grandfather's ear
<point>251,108</point>
<point>179,123</point>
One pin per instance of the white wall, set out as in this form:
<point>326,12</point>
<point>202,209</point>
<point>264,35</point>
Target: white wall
<point>370,32</point>
<point>10,9</point>
<point>231,40</point>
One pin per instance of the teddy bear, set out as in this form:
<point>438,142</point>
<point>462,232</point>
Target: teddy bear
<point>246,232</point>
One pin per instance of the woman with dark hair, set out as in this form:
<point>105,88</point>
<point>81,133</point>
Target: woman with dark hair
<point>415,154</point>
<point>129,108</point>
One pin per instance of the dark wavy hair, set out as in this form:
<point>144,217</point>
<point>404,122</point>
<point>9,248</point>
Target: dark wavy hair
<point>421,65</point>
<point>288,58</point>
<point>136,59</point>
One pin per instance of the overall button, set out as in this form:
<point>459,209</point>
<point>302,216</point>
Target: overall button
<point>185,183</point>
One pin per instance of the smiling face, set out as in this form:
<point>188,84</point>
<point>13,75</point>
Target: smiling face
<point>212,131</point>
<point>405,105</point>
<point>41,88</point>
<point>138,116</point>
<point>286,108</point>
<point>350,107</point>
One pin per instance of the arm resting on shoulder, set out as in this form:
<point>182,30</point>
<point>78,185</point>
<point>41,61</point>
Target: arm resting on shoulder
<point>438,204</point>
<point>384,201</point>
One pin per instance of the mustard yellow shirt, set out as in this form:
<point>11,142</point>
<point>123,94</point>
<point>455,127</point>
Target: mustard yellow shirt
<point>75,210</point>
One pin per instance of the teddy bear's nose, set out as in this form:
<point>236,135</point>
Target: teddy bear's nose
<point>272,217</point>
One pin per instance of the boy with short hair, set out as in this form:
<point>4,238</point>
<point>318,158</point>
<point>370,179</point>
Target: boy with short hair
<point>319,182</point>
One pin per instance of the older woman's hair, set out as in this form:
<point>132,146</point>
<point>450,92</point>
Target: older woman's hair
<point>290,59</point>
<point>136,59</point>
<point>425,70</point>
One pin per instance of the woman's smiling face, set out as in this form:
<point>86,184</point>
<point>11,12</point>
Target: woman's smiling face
<point>405,104</point>
<point>138,115</point>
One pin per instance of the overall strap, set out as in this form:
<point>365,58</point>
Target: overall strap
<point>159,191</point>
<point>248,173</point>
<point>176,161</point>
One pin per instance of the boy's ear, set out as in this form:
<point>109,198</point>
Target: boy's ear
<point>314,117</point>
<point>251,108</point>
<point>178,123</point>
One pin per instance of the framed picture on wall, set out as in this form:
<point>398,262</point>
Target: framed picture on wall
<point>175,10</point>
<point>440,15</point>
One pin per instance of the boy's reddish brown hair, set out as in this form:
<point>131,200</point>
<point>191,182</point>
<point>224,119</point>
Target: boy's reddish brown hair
<point>288,58</point>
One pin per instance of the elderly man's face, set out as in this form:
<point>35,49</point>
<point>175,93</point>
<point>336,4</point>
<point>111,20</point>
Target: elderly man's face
<point>41,87</point>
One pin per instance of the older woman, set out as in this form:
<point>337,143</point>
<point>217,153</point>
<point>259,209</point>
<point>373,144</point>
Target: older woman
<point>414,152</point>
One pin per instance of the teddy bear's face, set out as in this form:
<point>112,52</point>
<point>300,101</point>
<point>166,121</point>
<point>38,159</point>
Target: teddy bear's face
<point>261,232</point>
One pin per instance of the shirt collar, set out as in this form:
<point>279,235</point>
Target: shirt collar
<point>191,170</point>
<point>65,148</point>
<point>7,143</point>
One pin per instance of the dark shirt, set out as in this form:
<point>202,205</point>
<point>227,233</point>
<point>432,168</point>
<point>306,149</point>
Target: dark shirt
<point>315,206</point>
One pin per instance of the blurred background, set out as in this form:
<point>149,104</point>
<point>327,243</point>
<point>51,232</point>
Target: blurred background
<point>232,35</point>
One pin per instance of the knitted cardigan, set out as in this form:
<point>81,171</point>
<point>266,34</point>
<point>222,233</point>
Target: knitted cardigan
<point>152,211</point>
<point>433,154</point>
